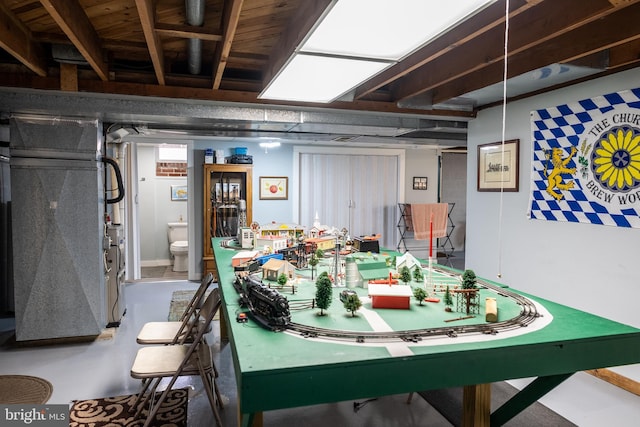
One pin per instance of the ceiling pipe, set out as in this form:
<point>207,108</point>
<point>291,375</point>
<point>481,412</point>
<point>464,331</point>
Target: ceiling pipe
<point>195,17</point>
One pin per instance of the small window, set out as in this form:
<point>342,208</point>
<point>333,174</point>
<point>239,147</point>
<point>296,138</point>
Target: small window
<point>171,153</point>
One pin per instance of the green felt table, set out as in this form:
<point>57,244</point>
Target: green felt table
<point>276,370</point>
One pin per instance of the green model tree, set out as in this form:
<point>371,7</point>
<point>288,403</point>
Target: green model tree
<point>419,294</point>
<point>418,276</point>
<point>324,291</point>
<point>469,280</point>
<point>352,303</point>
<point>405,274</point>
<point>313,261</point>
<point>319,253</point>
<point>448,300</point>
<point>282,279</point>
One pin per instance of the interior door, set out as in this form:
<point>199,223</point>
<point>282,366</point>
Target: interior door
<point>357,192</point>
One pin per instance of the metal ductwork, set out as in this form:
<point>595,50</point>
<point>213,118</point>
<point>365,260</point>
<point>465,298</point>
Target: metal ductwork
<point>195,17</point>
<point>68,54</point>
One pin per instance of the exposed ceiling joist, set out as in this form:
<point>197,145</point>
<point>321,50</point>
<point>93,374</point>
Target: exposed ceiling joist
<point>533,27</point>
<point>147,20</point>
<point>298,27</point>
<point>73,20</point>
<point>231,16</point>
<point>483,21</point>
<point>17,39</point>
<point>571,46</point>
<point>187,31</point>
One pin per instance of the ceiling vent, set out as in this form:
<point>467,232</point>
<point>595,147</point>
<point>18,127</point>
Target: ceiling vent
<point>67,54</point>
<point>344,138</point>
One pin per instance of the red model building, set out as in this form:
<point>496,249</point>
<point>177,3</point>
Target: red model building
<point>390,296</point>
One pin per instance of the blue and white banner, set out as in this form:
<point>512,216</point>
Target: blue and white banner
<point>586,161</point>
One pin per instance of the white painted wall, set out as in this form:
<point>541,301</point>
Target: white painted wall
<point>421,162</point>
<point>589,267</point>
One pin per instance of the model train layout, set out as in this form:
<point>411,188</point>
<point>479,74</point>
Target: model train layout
<point>271,310</point>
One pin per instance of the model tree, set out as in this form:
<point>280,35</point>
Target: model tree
<point>352,303</point>
<point>323,292</point>
<point>282,279</point>
<point>319,253</point>
<point>448,300</point>
<point>418,276</point>
<point>469,280</point>
<point>419,294</point>
<point>405,274</point>
<point>313,261</point>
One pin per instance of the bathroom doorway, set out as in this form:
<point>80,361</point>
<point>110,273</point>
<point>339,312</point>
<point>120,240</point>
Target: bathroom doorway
<point>162,195</point>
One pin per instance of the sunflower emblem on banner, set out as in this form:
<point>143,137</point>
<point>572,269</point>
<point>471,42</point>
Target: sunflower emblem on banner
<point>615,160</point>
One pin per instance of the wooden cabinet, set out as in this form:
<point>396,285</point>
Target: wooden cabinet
<point>227,205</point>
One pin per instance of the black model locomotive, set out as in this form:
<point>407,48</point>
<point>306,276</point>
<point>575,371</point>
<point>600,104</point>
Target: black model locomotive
<point>266,306</point>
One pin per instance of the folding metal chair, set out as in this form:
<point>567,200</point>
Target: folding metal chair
<point>153,363</point>
<point>170,332</point>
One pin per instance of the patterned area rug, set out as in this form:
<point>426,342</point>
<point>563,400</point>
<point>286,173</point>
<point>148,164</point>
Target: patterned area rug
<point>179,302</point>
<point>117,412</point>
<point>24,389</point>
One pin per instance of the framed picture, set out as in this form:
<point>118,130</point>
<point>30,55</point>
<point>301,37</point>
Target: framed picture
<point>274,188</point>
<point>419,182</point>
<point>179,192</point>
<point>498,166</point>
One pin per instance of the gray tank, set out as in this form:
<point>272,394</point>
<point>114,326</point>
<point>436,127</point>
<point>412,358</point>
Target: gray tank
<point>351,273</point>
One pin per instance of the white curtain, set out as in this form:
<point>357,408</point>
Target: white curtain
<point>358,192</point>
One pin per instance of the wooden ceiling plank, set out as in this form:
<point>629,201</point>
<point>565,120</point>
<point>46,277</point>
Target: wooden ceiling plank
<point>584,41</point>
<point>574,45</point>
<point>483,21</point>
<point>625,54</point>
<point>187,32</point>
<point>147,20</point>
<point>17,39</point>
<point>110,45</point>
<point>126,46</point>
<point>74,22</point>
<point>230,18</point>
<point>301,22</point>
<point>533,27</point>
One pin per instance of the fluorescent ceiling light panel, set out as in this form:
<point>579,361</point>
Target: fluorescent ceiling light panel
<point>357,39</point>
<point>386,29</point>
<point>310,78</point>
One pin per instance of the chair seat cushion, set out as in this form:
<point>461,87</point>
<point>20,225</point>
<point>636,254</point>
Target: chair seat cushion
<point>164,361</point>
<point>158,332</point>
<point>161,333</point>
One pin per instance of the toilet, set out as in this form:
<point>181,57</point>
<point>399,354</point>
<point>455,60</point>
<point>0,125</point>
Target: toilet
<point>178,245</point>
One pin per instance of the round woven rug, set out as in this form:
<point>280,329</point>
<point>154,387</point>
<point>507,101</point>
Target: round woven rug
<point>17,389</point>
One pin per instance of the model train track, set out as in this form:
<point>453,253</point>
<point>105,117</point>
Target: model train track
<point>528,313</point>
<point>272,311</point>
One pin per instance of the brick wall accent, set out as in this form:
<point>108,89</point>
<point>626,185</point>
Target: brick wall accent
<point>171,169</point>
